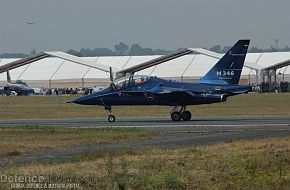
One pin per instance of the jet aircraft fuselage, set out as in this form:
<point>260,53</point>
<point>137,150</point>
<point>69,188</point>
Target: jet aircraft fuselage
<point>144,90</point>
<point>19,87</point>
<point>220,82</point>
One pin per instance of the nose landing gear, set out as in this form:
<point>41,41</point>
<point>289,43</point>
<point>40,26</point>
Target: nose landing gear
<point>111,117</point>
<point>179,113</point>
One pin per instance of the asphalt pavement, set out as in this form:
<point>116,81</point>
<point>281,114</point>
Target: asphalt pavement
<point>199,131</point>
<point>154,122</point>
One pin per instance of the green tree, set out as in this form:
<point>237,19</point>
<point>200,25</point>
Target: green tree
<point>136,49</point>
<point>216,48</point>
<point>121,48</point>
<point>33,51</point>
<point>73,52</point>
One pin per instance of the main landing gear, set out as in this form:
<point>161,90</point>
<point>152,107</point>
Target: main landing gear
<point>179,112</point>
<point>111,118</point>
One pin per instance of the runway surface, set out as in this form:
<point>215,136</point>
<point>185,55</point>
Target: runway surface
<point>154,122</point>
<point>197,132</point>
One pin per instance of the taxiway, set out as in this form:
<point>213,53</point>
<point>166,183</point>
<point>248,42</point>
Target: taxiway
<point>155,122</point>
<point>197,132</point>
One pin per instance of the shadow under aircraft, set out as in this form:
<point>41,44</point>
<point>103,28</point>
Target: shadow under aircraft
<point>216,86</point>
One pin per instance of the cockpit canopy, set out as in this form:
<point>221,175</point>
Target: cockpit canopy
<point>20,82</point>
<point>125,82</point>
<point>129,81</point>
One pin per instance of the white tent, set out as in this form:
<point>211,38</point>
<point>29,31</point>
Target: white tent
<point>57,72</point>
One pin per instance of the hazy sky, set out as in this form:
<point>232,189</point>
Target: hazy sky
<point>166,24</point>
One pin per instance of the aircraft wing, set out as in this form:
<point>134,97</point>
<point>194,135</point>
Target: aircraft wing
<point>167,90</point>
<point>163,90</point>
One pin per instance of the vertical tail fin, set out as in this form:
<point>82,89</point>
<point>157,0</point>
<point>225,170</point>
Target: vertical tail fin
<point>8,77</point>
<point>229,68</point>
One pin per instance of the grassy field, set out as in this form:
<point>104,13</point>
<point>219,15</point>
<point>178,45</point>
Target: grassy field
<point>51,107</point>
<point>15,141</point>
<point>258,164</point>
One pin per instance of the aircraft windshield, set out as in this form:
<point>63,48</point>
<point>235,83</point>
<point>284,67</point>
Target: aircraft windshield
<point>20,82</point>
<point>129,81</point>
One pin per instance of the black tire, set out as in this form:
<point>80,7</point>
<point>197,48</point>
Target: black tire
<point>111,118</point>
<point>186,115</point>
<point>176,116</point>
<point>7,92</point>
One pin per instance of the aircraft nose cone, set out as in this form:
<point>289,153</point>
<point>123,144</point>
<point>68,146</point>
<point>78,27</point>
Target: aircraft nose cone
<point>87,100</point>
<point>78,101</point>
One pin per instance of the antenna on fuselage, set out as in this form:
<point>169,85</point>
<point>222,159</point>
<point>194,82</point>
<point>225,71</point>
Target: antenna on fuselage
<point>8,77</point>
<point>111,75</point>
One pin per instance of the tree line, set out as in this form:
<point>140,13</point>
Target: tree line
<point>122,49</point>
<point>220,49</point>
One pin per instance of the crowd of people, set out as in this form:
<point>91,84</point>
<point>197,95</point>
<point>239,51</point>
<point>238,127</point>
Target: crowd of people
<point>66,91</point>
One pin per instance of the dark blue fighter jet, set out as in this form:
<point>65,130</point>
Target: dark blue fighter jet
<point>19,87</point>
<point>216,86</point>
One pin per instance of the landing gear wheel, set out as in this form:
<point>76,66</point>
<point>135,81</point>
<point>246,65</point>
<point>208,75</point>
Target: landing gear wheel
<point>176,116</point>
<point>186,115</point>
<point>111,118</point>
